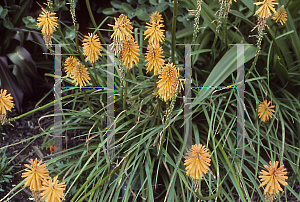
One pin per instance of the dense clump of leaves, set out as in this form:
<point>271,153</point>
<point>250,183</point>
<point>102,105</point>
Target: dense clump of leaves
<point>6,170</point>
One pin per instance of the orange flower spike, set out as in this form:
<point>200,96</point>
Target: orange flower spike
<point>154,32</point>
<point>263,111</point>
<point>197,161</point>
<point>49,24</point>
<point>273,177</point>
<point>52,190</point>
<point>70,64</point>
<point>130,53</point>
<point>122,29</point>
<point>168,82</point>
<point>80,75</point>
<point>264,9</point>
<point>35,174</point>
<point>154,58</point>
<point>6,103</point>
<point>91,48</point>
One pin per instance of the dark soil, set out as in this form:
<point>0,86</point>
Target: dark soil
<point>20,153</point>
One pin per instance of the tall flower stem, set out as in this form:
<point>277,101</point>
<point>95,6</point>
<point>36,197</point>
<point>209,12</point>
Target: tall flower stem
<point>84,92</point>
<point>166,122</point>
<point>93,20</point>
<point>253,64</point>
<point>158,100</point>
<point>260,37</point>
<point>96,76</point>
<point>174,30</point>
<point>126,86</point>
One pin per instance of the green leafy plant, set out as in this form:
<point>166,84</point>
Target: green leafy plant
<point>6,170</point>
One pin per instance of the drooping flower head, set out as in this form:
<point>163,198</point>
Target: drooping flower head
<point>122,29</point>
<point>80,75</point>
<point>263,111</point>
<point>264,9</point>
<point>130,53</point>
<point>35,174</point>
<point>48,23</point>
<point>154,58</point>
<point>52,190</point>
<point>91,47</point>
<point>154,32</point>
<point>280,15</point>
<point>273,177</point>
<point>167,85</point>
<point>6,102</point>
<point>70,64</point>
<point>156,17</point>
<point>197,161</point>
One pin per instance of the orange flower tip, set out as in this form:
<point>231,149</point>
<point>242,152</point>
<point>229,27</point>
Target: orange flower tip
<point>70,64</point>
<point>91,47</point>
<point>154,32</point>
<point>167,85</point>
<point>48,22</point>
<point>122,29</point>
<point>197,161</point>
<point>264,111</point>
<point>273,177</point>
<point>6,102</point>
<point>130,53</point>
<point>154,58</point>
<point>35,174</point>
<point>52,190</point>
<point>80,75</point>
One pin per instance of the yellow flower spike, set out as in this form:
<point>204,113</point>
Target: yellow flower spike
<point>280,15</point>
<point>273,177</point>
<point>122,29</point>
<point>130,53</point>
<point>6,102</point>
<point>154,58</point>
<point>154,32</point>
<point>263,111</point>
<point>35,174</point>
<point>49,24</point>
<point>156,17</point>
<point>91,48</point>
<point>52,190</point>
<point>167,85</point>
<point>197,161</point>
<point>264,9</point>
<point>70,64</point>
<point>80,75</point>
